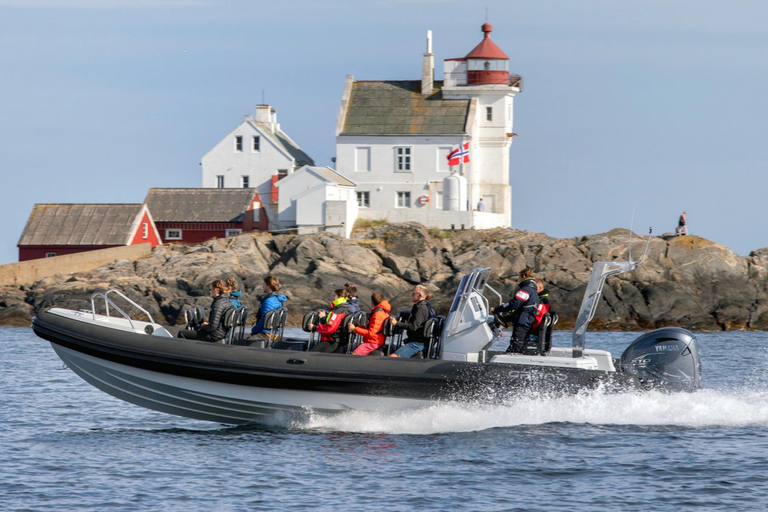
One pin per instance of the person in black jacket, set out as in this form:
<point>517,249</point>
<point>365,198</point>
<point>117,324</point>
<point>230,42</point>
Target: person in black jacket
<point>414,326</point>
<point>521,310</point>
<point>213,329</point>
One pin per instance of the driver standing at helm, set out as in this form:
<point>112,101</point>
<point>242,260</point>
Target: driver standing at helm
<point>521,310</point>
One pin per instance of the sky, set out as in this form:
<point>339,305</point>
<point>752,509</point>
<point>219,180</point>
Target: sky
<point>632,110</point>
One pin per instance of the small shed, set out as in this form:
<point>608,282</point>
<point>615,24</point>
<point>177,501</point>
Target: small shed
<point>194,215</point>
<point>65,228</point>
<point>315,199</point>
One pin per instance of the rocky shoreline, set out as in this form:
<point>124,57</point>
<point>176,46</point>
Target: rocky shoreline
<point>685,281</point>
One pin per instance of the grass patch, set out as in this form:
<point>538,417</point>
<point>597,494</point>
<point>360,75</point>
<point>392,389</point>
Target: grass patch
<point>368,223</point>
<point>439,233</point>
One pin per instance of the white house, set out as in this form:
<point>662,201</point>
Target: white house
<point>315,199</point>
<point>393,137</point>
<point>256,154</point>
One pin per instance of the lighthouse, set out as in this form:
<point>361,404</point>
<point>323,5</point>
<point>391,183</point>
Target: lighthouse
<point>483,76</point>
<point>393,138</point>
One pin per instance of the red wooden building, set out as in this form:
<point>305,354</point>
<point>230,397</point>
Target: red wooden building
<point>58,229</point>
<point>194,215</point>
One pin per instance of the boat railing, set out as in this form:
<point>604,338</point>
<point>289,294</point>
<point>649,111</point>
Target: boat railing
<point>600,272</point>
<point>108,302</point>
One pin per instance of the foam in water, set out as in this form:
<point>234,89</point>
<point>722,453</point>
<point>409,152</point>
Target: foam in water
<point>704,408</point>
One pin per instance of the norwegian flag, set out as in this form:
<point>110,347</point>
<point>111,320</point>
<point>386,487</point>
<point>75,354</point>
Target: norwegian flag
<point>458,155</point>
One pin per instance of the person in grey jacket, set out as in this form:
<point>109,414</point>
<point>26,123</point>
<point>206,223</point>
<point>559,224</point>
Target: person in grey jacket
<point>213,329</point>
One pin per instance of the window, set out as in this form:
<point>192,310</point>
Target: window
<point>256,143</point>
<point>144,230</point>
<point>220,181</point>
<point>173,234</point>
<point>239,143</point>
<point>442,158</point>
<point>403,199</point>
<point>281,173</point>
<point>256,211</point>
<point>245,180</point>
<point>362,159</point>
<point>364,199</point>
<point>403,160</point>
<point>489,113</point>
<point>50,254</point>
<point>233,232</point>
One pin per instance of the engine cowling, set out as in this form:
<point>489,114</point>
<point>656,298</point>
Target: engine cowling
<point>665,359</point>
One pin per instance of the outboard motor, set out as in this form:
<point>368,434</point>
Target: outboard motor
<point>666,359</point>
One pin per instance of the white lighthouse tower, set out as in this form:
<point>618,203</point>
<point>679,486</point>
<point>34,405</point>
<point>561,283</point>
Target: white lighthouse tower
<point>483,76</point>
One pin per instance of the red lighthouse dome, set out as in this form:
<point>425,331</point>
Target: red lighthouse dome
<point>486,63</point>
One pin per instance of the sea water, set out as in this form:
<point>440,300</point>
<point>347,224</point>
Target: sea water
<point>64,445</point>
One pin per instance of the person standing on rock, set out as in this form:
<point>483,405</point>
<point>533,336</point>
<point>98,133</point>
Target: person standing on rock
<point>213,329</point>
<point>681,228</point>
<point>521,309</point>
<point>272,299</point>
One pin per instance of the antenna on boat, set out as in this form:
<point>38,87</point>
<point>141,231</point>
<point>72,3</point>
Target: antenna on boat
<point>632,226</point>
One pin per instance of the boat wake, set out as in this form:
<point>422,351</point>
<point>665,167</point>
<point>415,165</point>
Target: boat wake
<point>705,408</point>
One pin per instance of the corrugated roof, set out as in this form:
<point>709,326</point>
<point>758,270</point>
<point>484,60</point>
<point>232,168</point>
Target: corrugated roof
<point>199,204</point>
<point>79,224</point>
<point>398,108</point>
<point>333,176</point>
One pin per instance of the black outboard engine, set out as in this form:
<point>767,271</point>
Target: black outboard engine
<point>666,359</point>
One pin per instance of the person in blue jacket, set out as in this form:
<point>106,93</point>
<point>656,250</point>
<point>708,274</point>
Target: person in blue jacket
<point>272,299</point>
<point>234,293</point>
<point>353,303</point>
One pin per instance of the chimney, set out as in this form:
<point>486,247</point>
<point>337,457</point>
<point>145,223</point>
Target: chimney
<point>267,115</point>
<point>428,68</point>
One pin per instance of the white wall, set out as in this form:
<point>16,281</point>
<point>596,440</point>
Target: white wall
<point>383,182</point>
<point>259,166</point>
<point>290,188</point>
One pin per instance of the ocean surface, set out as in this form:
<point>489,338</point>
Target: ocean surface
<point>64,445</point>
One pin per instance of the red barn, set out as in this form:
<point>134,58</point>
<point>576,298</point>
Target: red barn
<point>58,229</point>
<point>194,215</point>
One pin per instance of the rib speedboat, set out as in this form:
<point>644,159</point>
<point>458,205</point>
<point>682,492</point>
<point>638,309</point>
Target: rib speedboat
<point>142,362</point>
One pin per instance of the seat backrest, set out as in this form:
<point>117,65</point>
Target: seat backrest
<point>388,329</point>
<point>433,329</point>
<point>229,316</point>
<point>310,318</point>
<point>272,319</point>
<point>190,318</point>
<point>199,314</point>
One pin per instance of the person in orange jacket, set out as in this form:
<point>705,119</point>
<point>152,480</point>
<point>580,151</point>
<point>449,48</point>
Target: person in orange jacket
<point>373,338</point>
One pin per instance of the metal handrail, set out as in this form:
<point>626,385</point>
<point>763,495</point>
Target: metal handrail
<point>108,301</point>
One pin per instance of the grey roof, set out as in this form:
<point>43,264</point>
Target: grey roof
<point>199,204</point>
<point>79,224</point>
<point>398,107</point>
<point>335,177</point>
<point>284,141</point>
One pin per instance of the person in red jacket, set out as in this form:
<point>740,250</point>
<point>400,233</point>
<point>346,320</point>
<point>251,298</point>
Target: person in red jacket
<point>328,328</point>
<point>373,338</point>
<point>543,307</point>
